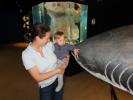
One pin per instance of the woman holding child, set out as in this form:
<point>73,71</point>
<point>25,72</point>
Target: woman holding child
<point>40,61</point>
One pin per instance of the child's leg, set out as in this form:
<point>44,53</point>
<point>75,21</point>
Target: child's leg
<point>60,83</point>
<point>60,76</point>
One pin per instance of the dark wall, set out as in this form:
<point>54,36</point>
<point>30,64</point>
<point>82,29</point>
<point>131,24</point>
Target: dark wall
<point>10,19</point>
<point>109,14</point>
<point>10,30</point>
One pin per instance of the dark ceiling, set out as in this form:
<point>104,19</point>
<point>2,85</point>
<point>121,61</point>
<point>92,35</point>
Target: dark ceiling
<point>26,5</point>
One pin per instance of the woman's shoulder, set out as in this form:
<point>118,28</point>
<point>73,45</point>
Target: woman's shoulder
<point>27,51</point>
<point>50,45</point>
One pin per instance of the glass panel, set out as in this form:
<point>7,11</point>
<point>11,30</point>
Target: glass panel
<point>68,17</point>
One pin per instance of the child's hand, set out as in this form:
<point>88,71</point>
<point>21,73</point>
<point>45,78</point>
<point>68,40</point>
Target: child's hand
<point>76,52</point>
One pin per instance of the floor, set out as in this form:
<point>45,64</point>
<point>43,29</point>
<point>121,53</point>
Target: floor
<point>16,83</point>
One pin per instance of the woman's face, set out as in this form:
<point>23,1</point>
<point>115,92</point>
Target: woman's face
<point>42,41</point>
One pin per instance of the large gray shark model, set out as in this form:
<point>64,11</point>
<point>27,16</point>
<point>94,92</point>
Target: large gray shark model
<point>109,56</point>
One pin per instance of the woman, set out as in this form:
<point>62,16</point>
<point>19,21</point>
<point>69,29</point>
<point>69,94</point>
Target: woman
<point>40,61</point>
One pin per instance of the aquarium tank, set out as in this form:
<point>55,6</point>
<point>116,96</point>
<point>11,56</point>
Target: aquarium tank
<point>68,17</point>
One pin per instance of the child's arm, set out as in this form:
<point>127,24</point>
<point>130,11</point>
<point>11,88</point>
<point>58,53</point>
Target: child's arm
<point>76,52</point>
<point>74,49</point>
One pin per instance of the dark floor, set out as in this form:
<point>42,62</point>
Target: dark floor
<point>16,84</point>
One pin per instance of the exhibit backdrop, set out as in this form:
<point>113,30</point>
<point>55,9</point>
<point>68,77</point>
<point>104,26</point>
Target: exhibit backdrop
<point>68,17</point>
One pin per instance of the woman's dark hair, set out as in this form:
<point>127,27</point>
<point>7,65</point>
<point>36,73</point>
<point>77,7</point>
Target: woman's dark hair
<point>38,30</point>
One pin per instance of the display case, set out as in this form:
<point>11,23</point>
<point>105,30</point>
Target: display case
<point>68,17</point>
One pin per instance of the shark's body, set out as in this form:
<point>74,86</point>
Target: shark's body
<point>109,56</point>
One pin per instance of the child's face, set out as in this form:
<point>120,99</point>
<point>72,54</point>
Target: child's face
<point>60,40</point>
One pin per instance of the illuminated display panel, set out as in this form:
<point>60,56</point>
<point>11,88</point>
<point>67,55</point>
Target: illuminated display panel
<point>68,17</point>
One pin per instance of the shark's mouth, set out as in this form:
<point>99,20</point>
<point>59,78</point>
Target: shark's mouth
<point>109,57</point>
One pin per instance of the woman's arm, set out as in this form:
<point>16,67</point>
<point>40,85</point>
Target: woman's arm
<point>34,72</point>
<point>30,65</point>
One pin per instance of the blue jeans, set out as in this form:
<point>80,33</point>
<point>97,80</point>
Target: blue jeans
<point>48,93</point>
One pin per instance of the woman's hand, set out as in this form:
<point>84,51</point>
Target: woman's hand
<point>60,70</point>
